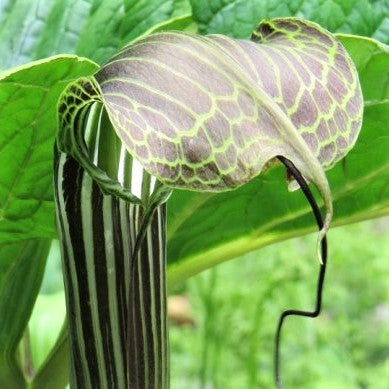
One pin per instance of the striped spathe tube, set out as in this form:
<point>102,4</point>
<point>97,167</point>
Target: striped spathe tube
<point>115,292</point>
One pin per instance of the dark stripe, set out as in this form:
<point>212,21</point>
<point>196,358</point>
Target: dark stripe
<point>72,179</point>
<point>102,284</point>
<point>75,355</point>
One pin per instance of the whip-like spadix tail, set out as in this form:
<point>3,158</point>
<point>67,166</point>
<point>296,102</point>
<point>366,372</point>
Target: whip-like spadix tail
<point>323,246</point>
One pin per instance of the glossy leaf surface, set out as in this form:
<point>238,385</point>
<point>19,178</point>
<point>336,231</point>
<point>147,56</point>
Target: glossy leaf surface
<point>34,29</point>
<point>28,99</point>
<point>239,17</point>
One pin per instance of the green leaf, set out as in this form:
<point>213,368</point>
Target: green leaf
<point>206,229</point>
<point>26,262</point>
<point>239,17</point>
<point>371,60</point>
<point>181,7</point>
<point>28,100</point>
<point>34,29</point>
<point>179,23</point>
<point>180,20</point>
<point>115,23</point>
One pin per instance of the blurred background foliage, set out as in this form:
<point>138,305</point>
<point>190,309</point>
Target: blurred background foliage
<point>223,320</point>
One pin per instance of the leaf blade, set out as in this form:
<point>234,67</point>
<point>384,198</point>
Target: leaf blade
<point>28,95</point>
<point>32,29</point>
<point>239,17</point>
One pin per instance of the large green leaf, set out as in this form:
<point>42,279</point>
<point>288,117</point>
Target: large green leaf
<point>206,229</point>
<point>34,29</point>
<point>115,23</point>
<point>239,17</point>
<point>28,100</point>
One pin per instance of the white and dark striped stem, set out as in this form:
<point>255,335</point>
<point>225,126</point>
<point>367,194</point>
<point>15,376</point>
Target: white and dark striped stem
<point>115,282</point>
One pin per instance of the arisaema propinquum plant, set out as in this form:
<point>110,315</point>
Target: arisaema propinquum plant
<point>180,111</point>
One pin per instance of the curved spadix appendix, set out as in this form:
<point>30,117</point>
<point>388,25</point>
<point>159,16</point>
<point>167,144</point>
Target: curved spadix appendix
<point>210,112</point>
